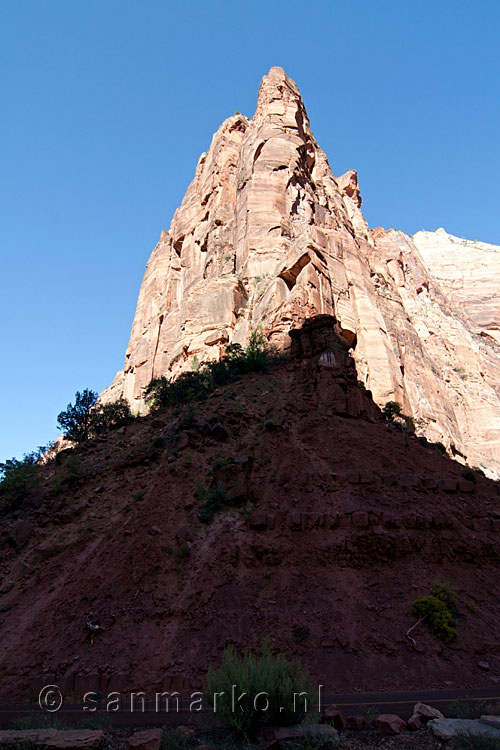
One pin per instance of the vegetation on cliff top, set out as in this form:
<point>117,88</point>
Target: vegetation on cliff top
<point>197,384</point>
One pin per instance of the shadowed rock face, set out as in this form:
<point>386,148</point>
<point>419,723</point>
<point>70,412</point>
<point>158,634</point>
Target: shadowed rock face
<point>266,235</point>
<point>333,523</point>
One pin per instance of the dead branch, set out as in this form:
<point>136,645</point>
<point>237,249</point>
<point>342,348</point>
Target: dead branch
<point>413,628</point>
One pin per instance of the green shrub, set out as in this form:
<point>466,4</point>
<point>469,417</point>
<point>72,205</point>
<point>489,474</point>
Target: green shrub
<point>212,498</point>
<point>72,469</point>
<point>447,595</point>
<point>158,442</point>
<point>464,708</point>
<point>475,741</point>
<point>369,715</point>
<point>105,417</point>
<point>39,721</point>
<point>196,385</point>
<point>469,474</point>
<point>492,709</point>
<point>438,617</point>
<point>300,633</point>
<point>224,463</point>
<point>409,422</point>
<point>252,674</point>
<point>176,739</point>
<point>471,606</point>
<point>20,745</point>
<point>392,409</point>
<point>18,479</point>
<point>96,721</point>
<point>439,448</point>
<point>267,425</point>
<point>461,373</point>
<point>182,552</point>
<point>85,418</point>
<point>188,417</point>
<point>75,421</point>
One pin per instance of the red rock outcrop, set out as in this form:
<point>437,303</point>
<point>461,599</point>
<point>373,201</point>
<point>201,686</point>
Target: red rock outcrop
<point>266,235</point>
<point>335,524</point>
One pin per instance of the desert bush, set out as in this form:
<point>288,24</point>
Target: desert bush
<point>392,409</point>
<point>96,721</point>
<point>464,708</point>
<point>369,716</point>
<point>196,385</point>
<point>393,412</point>
<point>18,479</point>
<point>439,448</point>
<point>300,633</point>
<point>223,463</point>
<point>409,422</point>
<point>85,418</point>
<point>158,442</point>
<point>188,416</point>
<point>75,421</point>
<point>447,595</point>
<point>176,739</point>
<point>212,499</point>
<point>72,470</point>
<point>438,617</point>
<point>105,417</point>
<point>20,745</point>
<point>284,684</point>
<point>492,709</point>
<point>469,474</point>
<point>188,386</point>
<point>182,552</point>
<point>267,425</point>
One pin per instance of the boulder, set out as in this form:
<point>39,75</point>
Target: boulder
<point>322,732</point>
<point>356,723</point>
<point>446,729</point>
<point>415,722</point>
<point>67,739</point>
<point>491,721</point>
<point>426,712</point>
<point>219,432</point>
<point>390,724</point>
<point>148,739</point>
<point>334,717</point>
<point>20,532</point>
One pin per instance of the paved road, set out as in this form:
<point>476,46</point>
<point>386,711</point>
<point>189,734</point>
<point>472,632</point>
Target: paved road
<point>400,703</point>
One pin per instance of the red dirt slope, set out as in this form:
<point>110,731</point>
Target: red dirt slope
<point>338,525</point>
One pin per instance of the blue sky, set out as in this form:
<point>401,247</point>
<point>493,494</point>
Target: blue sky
<point>107,104</point>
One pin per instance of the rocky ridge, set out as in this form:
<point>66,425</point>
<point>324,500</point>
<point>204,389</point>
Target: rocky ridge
<point>267,236</point>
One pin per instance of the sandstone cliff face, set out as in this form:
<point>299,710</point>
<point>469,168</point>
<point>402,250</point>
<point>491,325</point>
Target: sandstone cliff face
<point>266,235</point>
